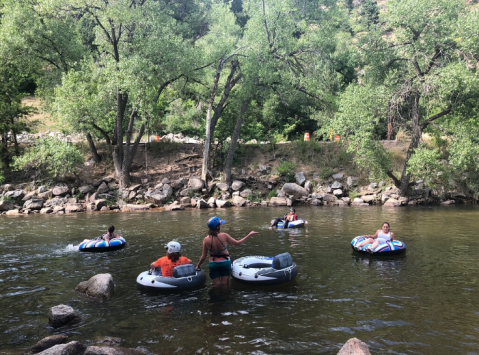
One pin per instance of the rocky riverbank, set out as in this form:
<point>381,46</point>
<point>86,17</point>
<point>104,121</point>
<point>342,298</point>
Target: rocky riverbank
<point>248,190</point>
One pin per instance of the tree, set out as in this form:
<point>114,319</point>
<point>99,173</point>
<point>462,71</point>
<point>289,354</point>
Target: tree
<point>12,112</point>
<point>415,74</point>
<point>139,48</point>
<point>222,46</point>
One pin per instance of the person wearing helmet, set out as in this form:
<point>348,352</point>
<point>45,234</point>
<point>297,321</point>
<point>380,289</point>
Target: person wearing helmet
<point>216,244</point>
<point>173,258</point>
<point>291,216</point>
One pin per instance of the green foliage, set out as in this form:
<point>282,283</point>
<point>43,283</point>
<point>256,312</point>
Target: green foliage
<point>286,169</point>
<point>51,156</point>
<point>326,173</point>
<point>272,193</point>
<point>255,197</point>
<point>427,164</point>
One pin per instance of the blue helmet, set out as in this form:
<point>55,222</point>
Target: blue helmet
<point>214,222</point>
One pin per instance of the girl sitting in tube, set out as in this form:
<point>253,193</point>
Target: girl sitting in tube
<point>381,236</point>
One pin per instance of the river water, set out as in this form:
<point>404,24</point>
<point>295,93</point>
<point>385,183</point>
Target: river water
<point>424,303</point>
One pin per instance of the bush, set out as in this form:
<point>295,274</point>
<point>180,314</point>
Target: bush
<point>50,155</point>
<point>286,169</point>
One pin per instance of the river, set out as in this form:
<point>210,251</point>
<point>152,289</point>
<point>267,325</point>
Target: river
<point>424,303</point>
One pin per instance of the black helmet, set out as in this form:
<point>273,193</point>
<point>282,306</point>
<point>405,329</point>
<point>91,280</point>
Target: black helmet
<point>292,209</point>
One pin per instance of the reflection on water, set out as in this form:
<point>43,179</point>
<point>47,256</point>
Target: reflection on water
<point>425,302</point>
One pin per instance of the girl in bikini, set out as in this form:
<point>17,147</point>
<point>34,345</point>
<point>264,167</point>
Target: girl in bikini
<point>216,244</point>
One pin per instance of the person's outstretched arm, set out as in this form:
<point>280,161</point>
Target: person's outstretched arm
<point>233,241</point>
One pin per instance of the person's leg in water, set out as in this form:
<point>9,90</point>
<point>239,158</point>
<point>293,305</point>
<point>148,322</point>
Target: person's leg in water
<point>220,273</point>
<point>275,222</point>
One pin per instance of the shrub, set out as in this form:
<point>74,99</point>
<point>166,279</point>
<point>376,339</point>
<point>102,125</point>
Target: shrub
<point>50,155</point>
<point>286,169</point>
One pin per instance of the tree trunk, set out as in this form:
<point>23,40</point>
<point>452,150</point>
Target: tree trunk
<point>118,149</point>
<point>415,139</point>
<point>209,132</point>
<point>91,145</point>
<point>234,142</point>
<point>211,121</point>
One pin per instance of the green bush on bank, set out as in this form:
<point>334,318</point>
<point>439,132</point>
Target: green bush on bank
<point>51,156</point>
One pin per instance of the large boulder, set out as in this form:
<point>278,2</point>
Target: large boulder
<point>85,189</point>
<point>294,189</point>
<point>246,193</point>
<point>196,183</point>
<point>300,178</point>
<point>175,206</point>
<point>223,203</point>
<point>99,286</point>
<point>102,188</point>
<point>71,348</point>
<point>354,346</point>
<point>48,342</point>
<point>74,207</point>
<point>352,181</point>
<point>61,190</point>
<point>33,204</point>
<point>61,315</point>
<point>239,201</point>
<point>15,194</point>
<point>278,201</point>
<point>222,186</point>
<point>336,185</point>
<point>6,205</point>
<point>237,185</point>
<point>202,204</point>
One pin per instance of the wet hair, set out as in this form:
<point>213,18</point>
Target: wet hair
<point>387,224</point>
<point>174,256</point>
<point>214,232</point>
<point>111,229</point>
<point>292,209</point>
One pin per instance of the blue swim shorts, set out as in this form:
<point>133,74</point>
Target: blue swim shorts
<point>220,268</point>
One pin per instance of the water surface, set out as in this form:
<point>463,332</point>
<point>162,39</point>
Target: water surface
<point>424,303</point>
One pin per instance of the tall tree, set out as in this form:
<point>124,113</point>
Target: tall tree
<point>137,49</point>
<point>222,46</point>
<point>414,79</point>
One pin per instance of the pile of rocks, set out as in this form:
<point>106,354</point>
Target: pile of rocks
<point>249,190</point>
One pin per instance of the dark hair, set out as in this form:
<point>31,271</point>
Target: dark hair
<point>292,209</point>
<point>174,256</point>
<point>111,229</point>
<point>387,224</point>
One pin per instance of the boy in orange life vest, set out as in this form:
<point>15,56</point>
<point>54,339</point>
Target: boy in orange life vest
<point>173,258</point>
<point>291,216</point>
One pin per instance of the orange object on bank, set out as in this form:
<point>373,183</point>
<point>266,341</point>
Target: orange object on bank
<point>157,138</point>
<point>306,137</point>
<point>336,138</point>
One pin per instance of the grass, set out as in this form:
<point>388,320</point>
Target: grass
<point>40,121</point>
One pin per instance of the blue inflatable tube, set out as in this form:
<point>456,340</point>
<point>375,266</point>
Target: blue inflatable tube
<point>395,247</point>
<point>99,245</point>
<point>293,224</point>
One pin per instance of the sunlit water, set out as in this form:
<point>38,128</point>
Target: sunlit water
<point>424,303</point>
